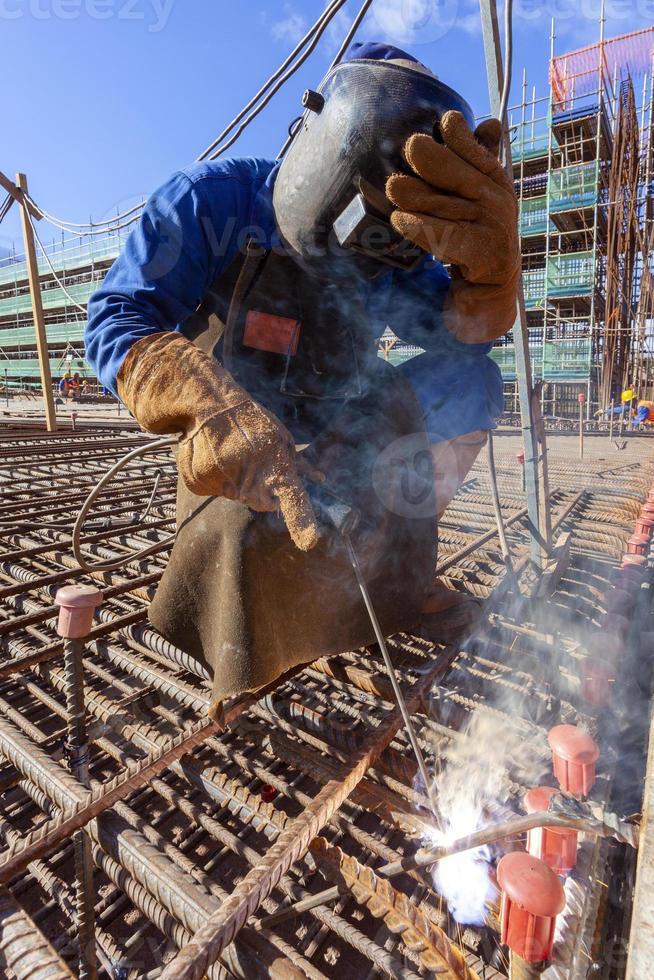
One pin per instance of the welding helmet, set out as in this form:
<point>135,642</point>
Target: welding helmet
<point>329,195</point>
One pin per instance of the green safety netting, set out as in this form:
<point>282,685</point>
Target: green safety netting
<point>51,298</point>
<point>533,216</point>
<point>25,336</point>
<point>567,360</point>
<point>534,286</point>
<point>28,367</point>
<point>570,274</point>
<point>558,360</point>
<point>530,147</point>
<point>573,187</point>
<point>73,257</point>
<point>504,357</point>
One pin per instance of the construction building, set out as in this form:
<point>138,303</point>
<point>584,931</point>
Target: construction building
<point>468,798</point>
<point>583,164</point>
<point>70,271</point>
<point>582,161</point>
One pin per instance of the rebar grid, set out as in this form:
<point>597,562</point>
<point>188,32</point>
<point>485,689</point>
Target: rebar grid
<point>221,835</point>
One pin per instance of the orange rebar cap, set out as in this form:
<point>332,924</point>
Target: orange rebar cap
<point>638,544</point>
<point>574,754</point>
<point>556,846</point>
<point>532,897</point>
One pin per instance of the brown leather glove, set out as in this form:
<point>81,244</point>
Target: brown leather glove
<point>461,207</point>
<point>230,446</point>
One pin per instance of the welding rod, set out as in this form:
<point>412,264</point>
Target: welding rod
<point>397,690</point>
<point>331,509</point>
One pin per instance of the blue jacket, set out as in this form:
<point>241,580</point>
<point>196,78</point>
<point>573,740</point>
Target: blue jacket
<point>192,228</point>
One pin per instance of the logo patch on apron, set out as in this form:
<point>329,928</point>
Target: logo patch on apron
<point>276,334</point>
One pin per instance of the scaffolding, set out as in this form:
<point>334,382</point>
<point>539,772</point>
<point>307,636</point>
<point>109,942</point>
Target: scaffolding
<point>80,266</point>
<point>583,165</point>
<point>582,159</point>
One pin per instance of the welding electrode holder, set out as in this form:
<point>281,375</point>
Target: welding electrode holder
<point>332,510</point>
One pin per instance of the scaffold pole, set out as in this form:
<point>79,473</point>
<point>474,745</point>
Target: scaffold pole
<point>495,75</point>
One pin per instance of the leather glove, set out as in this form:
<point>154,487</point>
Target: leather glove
<point>230,446</point>
<point>461,207</point>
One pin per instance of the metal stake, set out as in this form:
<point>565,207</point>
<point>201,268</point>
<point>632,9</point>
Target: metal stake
<point>495,73</point>
<point>76,606</point>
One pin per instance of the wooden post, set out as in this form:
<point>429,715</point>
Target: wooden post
<point>37,309</point>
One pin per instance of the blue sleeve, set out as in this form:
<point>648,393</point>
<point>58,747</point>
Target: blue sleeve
<point>415,310</point>
<point>458,386</point>
<point>186,235</point>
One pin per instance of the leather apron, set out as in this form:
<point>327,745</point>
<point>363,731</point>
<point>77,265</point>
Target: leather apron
<point>237,594</point>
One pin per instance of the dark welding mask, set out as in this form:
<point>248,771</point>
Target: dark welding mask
<point>329,197</point>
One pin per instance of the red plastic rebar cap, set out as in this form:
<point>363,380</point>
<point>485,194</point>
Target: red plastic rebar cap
<point>529,883</point>
<point>597,677</point>
<point>556,846</point>
<point>520,456</point>
<point>78,596</point>
<point>268,793</point>
<point>76,606</point>
<point>574,754</point>
<point>532,897</point>
<point>638,544</point>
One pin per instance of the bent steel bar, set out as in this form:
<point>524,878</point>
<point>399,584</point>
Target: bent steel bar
<point>194,959</point>
<point>89,805</point>
<point>24,950</point>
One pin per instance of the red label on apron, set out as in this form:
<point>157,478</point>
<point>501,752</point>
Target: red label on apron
<point>276,334</point>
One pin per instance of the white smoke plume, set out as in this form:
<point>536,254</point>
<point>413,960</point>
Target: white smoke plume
<point>480,769</point>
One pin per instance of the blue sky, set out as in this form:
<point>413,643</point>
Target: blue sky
<point>103,99</point>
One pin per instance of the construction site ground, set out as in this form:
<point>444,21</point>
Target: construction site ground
<point>313,783</point>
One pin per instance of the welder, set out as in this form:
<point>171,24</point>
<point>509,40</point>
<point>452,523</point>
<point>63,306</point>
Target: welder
<point>244,314</point>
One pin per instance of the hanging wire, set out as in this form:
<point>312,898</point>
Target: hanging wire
<point>50,265</point>
<point>4,209</point>
<point>72,230</point>
<point>341,51</point>
<point>320,30</point>
<point>356,23</point>
<point>67,225</point>
<point>325,18</point>
<point>508,59</point>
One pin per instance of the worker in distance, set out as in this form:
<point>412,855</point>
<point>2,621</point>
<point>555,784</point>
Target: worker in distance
<point>244,314</point>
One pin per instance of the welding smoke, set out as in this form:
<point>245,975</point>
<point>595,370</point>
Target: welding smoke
<point>481,768</point>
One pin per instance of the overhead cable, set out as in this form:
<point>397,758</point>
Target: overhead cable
<point>51,267</point>
<point>236,127</point>
<point>319,31</point>
<point>354,27</point>
<point>327,15</point>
